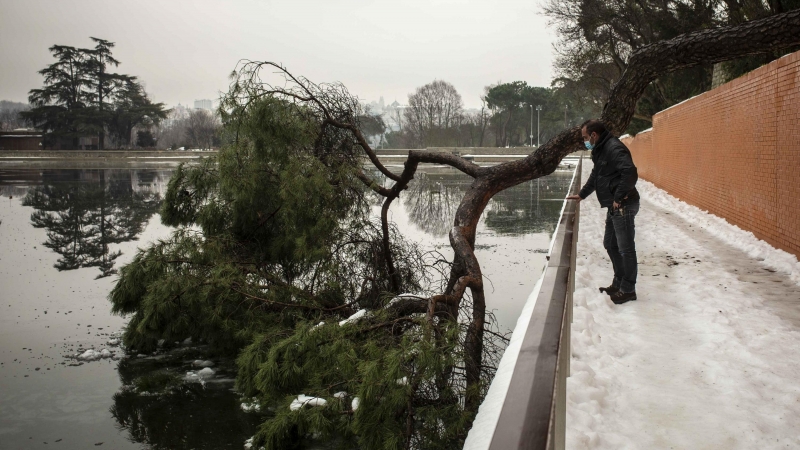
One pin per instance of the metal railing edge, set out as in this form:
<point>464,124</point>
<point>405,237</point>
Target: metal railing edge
<point>523,435</point>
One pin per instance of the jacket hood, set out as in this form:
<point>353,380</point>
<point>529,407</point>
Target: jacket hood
<point>599,146</point>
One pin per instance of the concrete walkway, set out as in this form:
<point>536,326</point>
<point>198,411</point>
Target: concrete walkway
<point>707,358</point>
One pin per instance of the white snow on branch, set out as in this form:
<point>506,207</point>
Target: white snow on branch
<point>355,317</point>
<point>400,297</point>
<point>303,400</point>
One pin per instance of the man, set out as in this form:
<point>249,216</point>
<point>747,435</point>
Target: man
<point>613,179</point>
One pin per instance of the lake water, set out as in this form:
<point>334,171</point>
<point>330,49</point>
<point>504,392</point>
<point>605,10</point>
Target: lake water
<point>64,232</point>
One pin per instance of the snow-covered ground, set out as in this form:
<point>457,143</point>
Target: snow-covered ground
<point>709,355</point>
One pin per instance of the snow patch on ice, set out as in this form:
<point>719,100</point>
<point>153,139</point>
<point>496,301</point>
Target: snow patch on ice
<point>251,406</point>
<point>248,444</point>
<point>94,355</point>
<point>208,372</point>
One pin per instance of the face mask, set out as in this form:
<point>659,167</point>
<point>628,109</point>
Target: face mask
<point>588,145</point>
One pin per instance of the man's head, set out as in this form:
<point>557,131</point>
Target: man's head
<point>591,130</point>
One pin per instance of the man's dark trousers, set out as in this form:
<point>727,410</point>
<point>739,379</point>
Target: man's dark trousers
<point>619,243</point>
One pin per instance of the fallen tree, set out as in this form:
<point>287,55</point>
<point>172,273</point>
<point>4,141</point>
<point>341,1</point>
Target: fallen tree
<point>418,364</point>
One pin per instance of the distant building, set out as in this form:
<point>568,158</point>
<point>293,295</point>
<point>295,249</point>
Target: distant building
<point>393,116</point>
<point>21,139</point>
<point>204,104</point>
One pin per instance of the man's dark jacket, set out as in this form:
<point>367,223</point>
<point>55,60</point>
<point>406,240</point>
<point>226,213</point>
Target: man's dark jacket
<point>613,175</point>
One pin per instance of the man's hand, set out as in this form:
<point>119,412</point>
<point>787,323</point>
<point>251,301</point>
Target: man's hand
<point>616,206</point>
<point>574,197</point>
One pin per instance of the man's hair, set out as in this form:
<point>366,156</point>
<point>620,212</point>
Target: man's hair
<point>594,126</point>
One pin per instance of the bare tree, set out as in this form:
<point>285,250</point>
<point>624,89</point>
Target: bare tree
<point>201,127</point>
<point>9,115</point>
<point>475,126</point>
<point>433,110</point>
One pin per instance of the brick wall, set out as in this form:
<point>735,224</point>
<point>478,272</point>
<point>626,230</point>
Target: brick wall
<point>735,152</point>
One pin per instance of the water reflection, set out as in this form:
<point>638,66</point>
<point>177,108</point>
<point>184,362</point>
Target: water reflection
<point>89,214</point>
<point>87,211</point>
<point>432,199</point>
<point>182,415</point>
<point>532,207</point>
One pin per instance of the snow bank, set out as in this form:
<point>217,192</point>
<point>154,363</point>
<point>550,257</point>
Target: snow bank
<point>202,363</point>
<point>732,235</point>
<point>699,360</point>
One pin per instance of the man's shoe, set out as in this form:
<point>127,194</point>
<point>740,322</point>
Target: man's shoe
<point>620,297</point>
<point>609,290</point>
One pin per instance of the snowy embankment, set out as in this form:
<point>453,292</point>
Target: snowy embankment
<point>707,358</point>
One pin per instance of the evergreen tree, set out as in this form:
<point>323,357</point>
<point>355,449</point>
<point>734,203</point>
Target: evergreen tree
<point>102,84</point>
<point>81,98</point>
<point>132,108</point>
<point>58,108</point>
<point>276,259</point>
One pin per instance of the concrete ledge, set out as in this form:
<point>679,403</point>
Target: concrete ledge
<point>463,150</point>
<point>102,154</point>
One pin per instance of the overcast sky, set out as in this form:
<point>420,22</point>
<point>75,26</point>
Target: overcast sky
<point>185,50</point>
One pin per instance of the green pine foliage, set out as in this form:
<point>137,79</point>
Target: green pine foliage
<point>274,246</point>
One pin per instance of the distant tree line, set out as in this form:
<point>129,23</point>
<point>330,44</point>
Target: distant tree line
<point>200,129</point>
<point>435,116</point>
<point>81,98</point>
<point>9,115</point>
